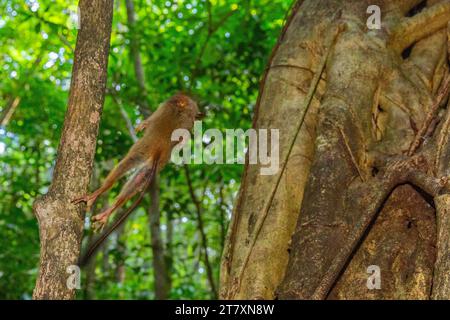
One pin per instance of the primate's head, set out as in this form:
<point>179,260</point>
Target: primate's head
<point>186,108</point>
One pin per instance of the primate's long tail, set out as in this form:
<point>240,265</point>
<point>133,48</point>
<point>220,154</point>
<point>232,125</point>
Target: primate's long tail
<point>150,174</point>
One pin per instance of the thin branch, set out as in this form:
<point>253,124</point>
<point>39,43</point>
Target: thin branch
<point>223,226</point>
<point>442,136</point>
<point>209,9</point>
<point>14,102</point>
<point>420,136</point>
<point>25,12</point>
<point>65,42</point>
<point>211,30</point>
<point>350,152</point>
<point>161,275</point>
<point>201,229</point>
<point>7,113</point>
<point>124,114</point>
<point>144,108</point>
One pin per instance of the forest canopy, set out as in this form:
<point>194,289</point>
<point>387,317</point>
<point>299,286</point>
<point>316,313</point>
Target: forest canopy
<point>214,49</point>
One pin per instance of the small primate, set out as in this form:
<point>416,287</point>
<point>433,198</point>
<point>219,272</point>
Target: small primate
<point>148,156</point>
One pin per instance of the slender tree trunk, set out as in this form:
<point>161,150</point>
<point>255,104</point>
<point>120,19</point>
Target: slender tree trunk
<point>222,215</point>
<point>121,249</point>
<point>89,292</point>
<point>203,237</point>
<point>161,274</point>
<point>89,283</point>
<point>136,56</point>
<point>169,245</point>
<point>355,179</point>
<point>11,106</point>
<point>61,222</point>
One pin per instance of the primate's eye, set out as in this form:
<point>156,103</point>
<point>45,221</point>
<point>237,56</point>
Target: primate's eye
<point>200,115</point>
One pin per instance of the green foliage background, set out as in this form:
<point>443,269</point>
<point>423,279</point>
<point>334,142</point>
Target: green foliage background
<point>37,39</point>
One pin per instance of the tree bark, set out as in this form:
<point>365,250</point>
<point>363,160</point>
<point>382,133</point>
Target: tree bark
<point>61,222</point>
<point>285,86</point>
<point>441,281</point>
<point>359,175</point>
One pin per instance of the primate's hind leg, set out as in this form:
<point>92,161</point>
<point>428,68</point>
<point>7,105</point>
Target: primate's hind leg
<point>119,171</point>
<point>137,183</point>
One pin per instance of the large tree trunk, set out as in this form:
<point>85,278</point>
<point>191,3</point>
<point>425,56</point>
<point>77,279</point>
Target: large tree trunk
<point>356,176</point>
<point>61,222</point>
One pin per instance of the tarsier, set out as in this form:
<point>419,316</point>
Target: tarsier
<point>148,156</point>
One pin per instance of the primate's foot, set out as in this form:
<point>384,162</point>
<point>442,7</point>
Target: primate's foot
<point>98,226</point>
<point>101,218</point>
<point>89,199</point>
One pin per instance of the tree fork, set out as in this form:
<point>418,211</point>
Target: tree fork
<point>410,171</point>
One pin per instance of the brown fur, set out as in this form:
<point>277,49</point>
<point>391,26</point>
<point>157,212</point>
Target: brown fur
<point>177,112</point>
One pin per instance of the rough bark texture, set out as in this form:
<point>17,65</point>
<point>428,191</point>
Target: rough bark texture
<point>285,86</point>
<point>441,279</point>
<point>345,192</point>
<point>441,283</point>
<point>401,243</point>
<point>346,150</point>
<point>61,222</point>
